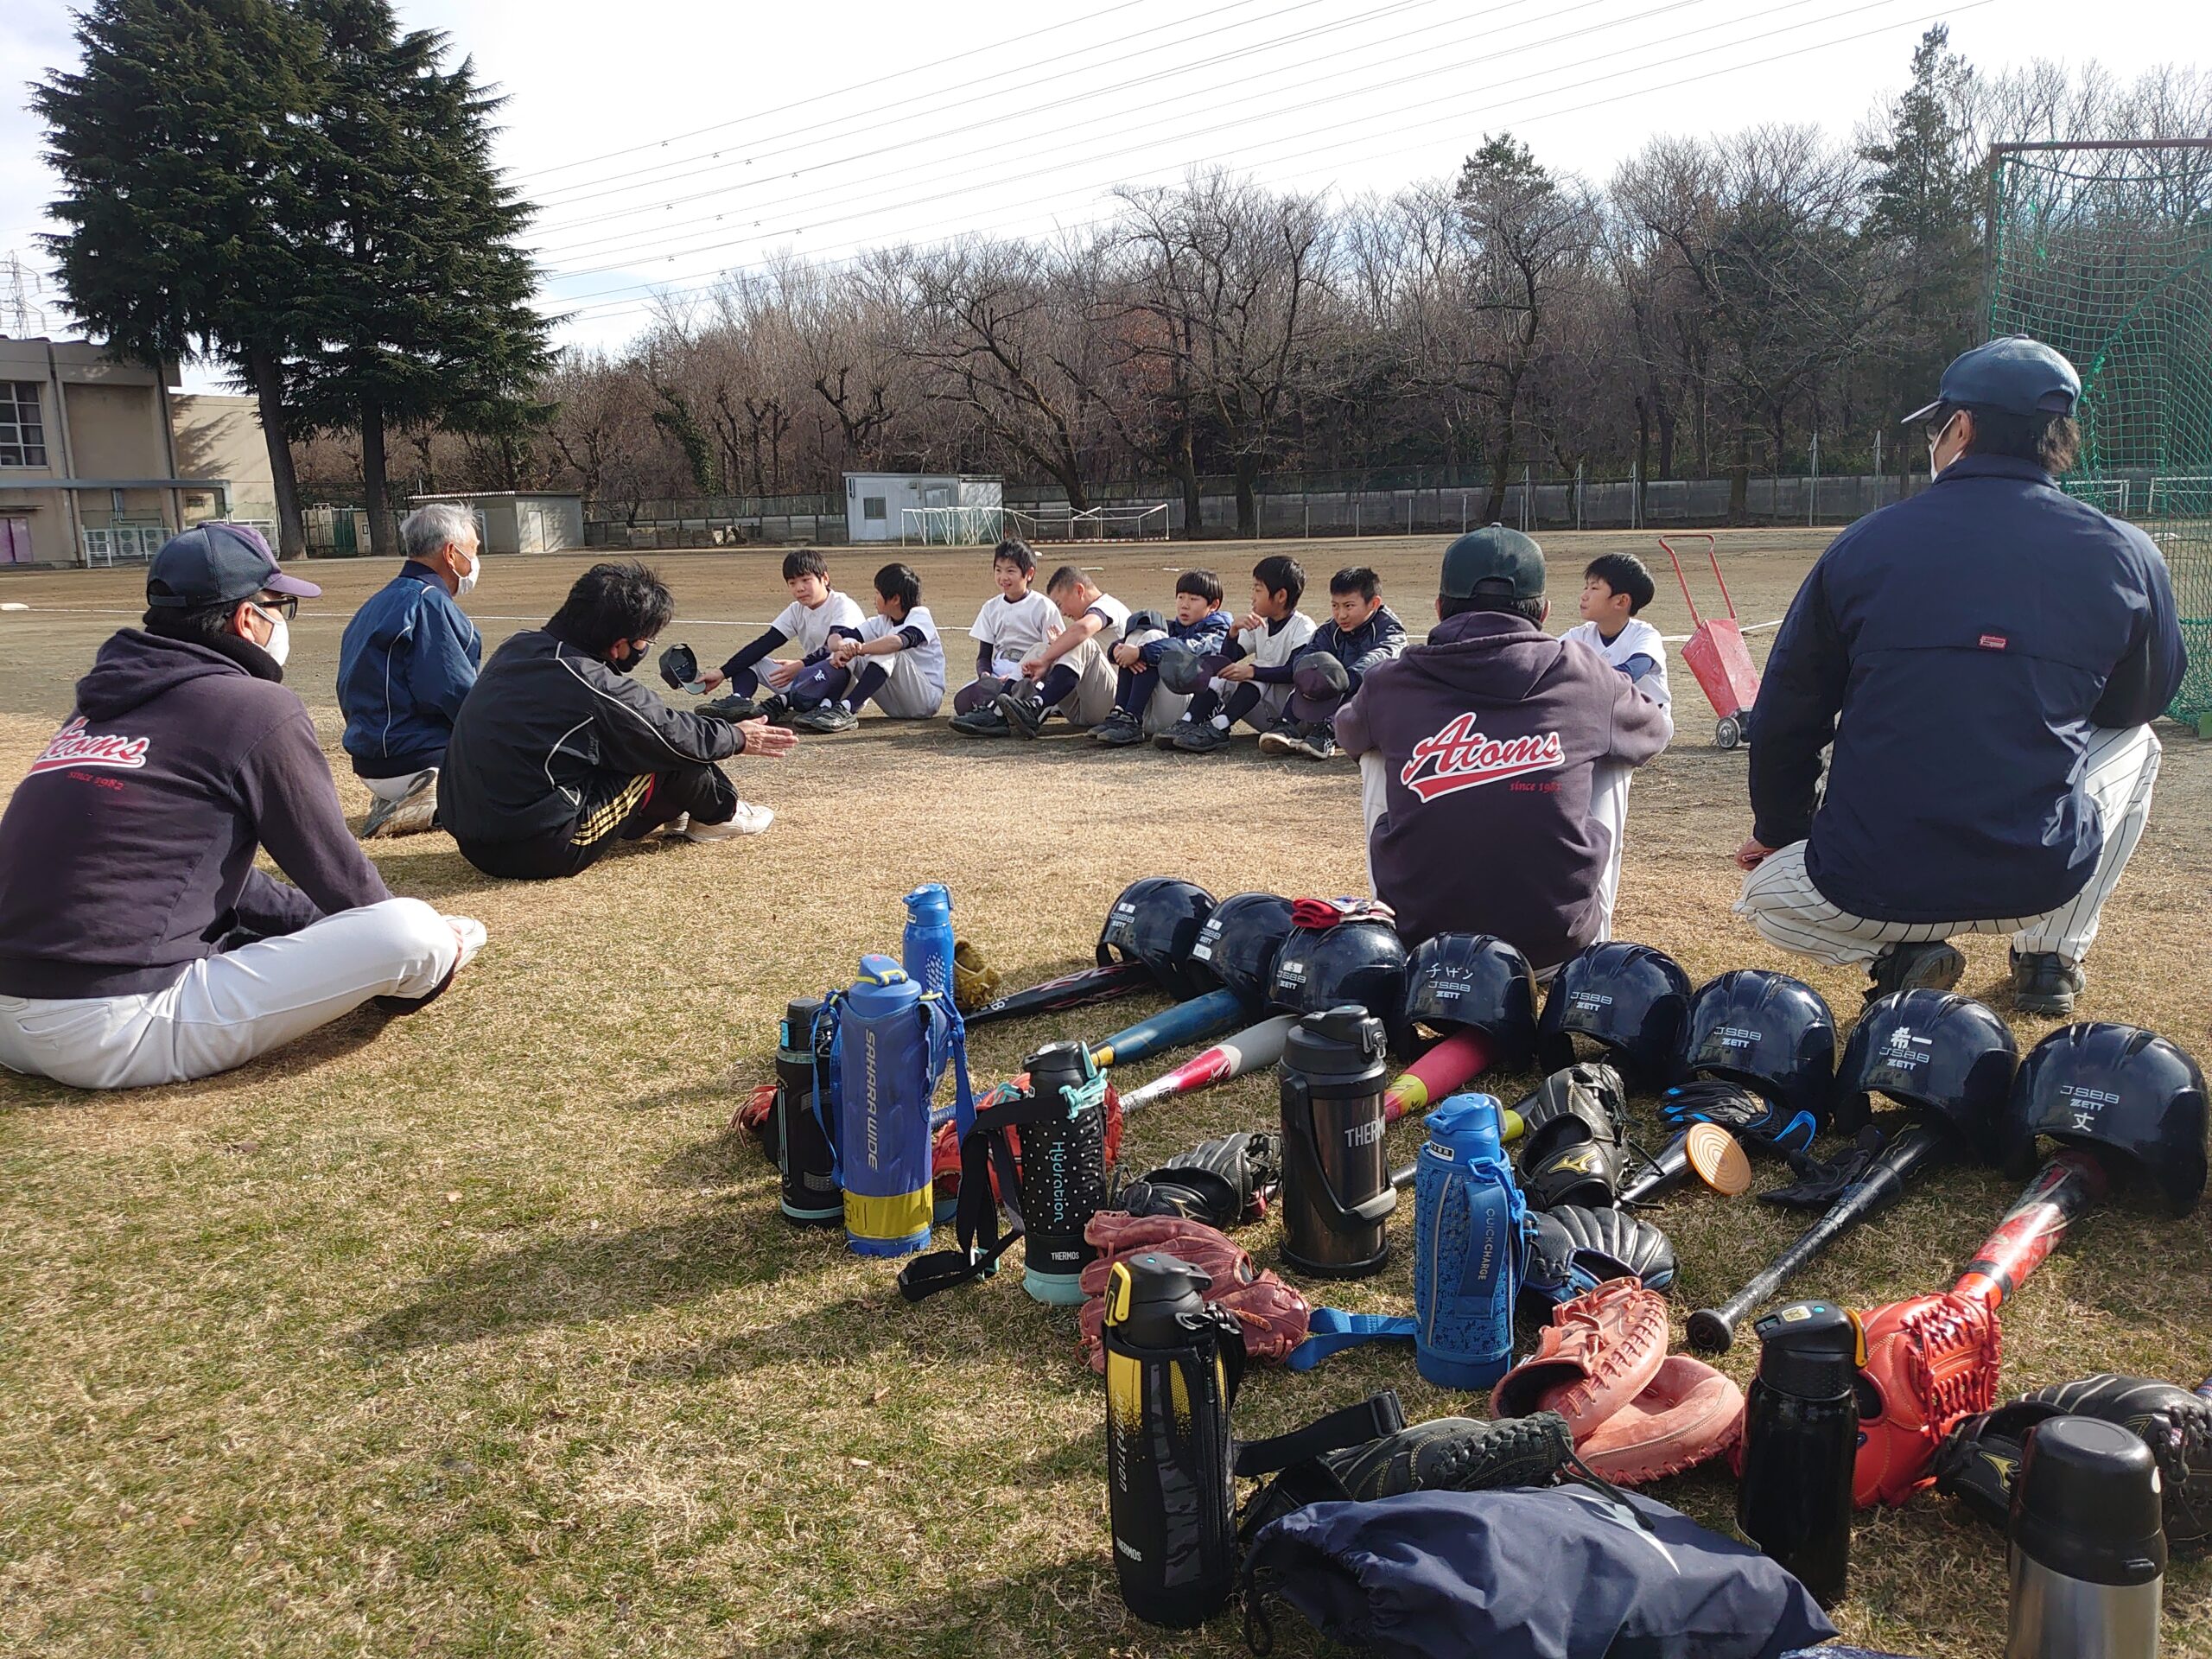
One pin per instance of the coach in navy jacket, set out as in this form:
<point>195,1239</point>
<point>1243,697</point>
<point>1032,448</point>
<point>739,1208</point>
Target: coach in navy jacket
<point>1985,658</point>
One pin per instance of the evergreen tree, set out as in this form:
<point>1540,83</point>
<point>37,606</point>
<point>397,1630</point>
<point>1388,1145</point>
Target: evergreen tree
<point>177,146</point>
<point>421,308</point>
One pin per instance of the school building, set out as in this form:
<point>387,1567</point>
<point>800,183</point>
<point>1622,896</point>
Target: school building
<point>101,461</point>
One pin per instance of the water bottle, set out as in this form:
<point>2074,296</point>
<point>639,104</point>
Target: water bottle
<point>1336,1194</point>
<point>1467,1218</point>
<point>1801,1437</point>
<point>803,1154</point>
<point>884,1136</point>
<point>926,949</point>
<point>1169,1475</point>
<point>1063,1173</point>
<point>2087,1545</point>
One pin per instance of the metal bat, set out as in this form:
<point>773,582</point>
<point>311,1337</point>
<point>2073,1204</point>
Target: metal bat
<point>1915,1147</point>
<point>1186,1022</point>
<point>2067,1184</point>
<point>1075,991</point>
<point>1248,1051</point>
<point>1436,1074</point>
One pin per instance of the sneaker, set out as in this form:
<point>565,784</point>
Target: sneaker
<point>748,820</point>
<point>1457,1454</point>
<point>733,709</point>
<point>775,710</point>
<point>412,813</point>
<point>676,826</point>
<point>1281,737</point>
<point>1165,737</point>
<point>1024,716</point>
<point>1202,737</point>
<point>2045,982</point>
<point>825,717</point>
<point>1318,740</point>
<point>1931,966</point>
<point>985,721</point>
<point>1118,730</point>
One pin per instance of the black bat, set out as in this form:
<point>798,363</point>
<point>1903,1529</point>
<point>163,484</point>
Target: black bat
<point>1075,991</point>
<point>1916,1146</point>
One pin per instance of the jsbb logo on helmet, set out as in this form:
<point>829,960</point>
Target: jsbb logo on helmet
<point>1737,1037</point>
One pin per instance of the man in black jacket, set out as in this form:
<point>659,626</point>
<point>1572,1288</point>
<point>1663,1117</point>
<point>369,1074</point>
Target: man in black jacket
<point>558,752</point>
<point>138,943</point>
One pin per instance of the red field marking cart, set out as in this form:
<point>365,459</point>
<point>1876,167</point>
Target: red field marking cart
<point>1716,653</point>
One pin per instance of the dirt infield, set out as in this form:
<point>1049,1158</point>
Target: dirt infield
<point>473,1332</point>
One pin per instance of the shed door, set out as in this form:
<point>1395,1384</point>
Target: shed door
<point>15,540</point>
<point>531,527</point>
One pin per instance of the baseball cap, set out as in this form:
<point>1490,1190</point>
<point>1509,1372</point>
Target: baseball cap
<point>1510,561</point>
<point>214,563</point>
<point>1317,684</point>
<point>2017,375</point>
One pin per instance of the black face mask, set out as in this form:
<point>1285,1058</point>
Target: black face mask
<point>626,665</point>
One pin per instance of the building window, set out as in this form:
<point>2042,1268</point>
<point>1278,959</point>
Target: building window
<point>872,506</point>
<point>22,434</point>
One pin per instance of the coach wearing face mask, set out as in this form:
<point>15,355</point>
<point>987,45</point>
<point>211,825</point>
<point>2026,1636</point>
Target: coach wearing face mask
<point>138,943</point>
<point>408,659</point>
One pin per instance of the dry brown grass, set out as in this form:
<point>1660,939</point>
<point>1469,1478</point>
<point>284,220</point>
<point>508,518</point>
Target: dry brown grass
<point>471,1333</point>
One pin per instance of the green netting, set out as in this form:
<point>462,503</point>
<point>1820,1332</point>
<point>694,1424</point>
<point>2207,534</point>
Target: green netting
<point>2107,254</point>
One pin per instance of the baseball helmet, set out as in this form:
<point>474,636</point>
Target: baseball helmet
<point>1632,999</point>
<point>1238,945</point>
<point>1360,961</point>
<point>1180,668</point>
<point>1934,1052</point>
<point>1474,982</point>
<point>1156,922</point>
<point>2116,1089</point>
<point>1770,1033</point>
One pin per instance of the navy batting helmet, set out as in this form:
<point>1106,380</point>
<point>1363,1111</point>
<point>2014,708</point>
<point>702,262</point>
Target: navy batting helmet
<point>1156,921</point>
<point>1238,945</point>
<point>1632,999</point>
<point>1932,1051</point>
<point>1473,982</point>
<point>1361,961</point>
<point>2118,1089</point>
<point>1770,1033</point>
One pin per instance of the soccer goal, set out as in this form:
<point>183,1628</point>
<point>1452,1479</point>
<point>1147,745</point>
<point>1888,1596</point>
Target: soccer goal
<point>1131,521</point>
<point>2104,250</point>
<point>977,526</point>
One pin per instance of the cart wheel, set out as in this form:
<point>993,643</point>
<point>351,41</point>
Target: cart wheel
<point>1729,733</point>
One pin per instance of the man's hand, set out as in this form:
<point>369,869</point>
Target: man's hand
<point>1125,655</point>
<point>1236,671</point>
<point>763,741</point>
<point>1752,853</point>
<point>780,674</point>
<point>711,678</point>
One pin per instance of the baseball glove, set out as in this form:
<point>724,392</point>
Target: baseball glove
<point>975,982</point>
<point>1687,1414</point>
<point>753,1115</point>
<point>1609,1245</point>
<point>1742,1113</point>
<point>1931,1361</point>
<point>1223,1182</point>
<point>1582,1103</point>
<point>1978,1458</point>
<point>1273,1316</point>
<point>1586,1174</point>
<point>1598,1353</point>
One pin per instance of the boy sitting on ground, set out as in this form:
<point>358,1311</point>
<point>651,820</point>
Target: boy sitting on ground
<point>1009,628</point>
<point>1251,679</point>
<point>896,658</point>
<point>1140,701</point>
<point>1361,632</point>
<point>815,610</point>
<point>1070,671</point>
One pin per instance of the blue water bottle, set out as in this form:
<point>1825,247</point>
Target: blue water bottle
<point>884,1131</point>
<point>1467,1216</point>
<point>927,949</point>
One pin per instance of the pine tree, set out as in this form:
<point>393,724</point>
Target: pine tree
<point>421,310</point>
<point>177,146</point>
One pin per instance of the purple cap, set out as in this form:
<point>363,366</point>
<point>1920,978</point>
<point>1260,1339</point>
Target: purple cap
<point>1318,682</point>
<point>214,563</point>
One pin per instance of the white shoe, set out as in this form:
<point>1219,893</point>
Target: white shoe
<point>676,826</point>
<point>749,821</point>
<point>472,935</point>
<point>413,813</point>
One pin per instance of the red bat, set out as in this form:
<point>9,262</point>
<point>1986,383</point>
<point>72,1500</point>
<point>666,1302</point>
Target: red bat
<point>1248,1051</point>
<point>2067,1184</point>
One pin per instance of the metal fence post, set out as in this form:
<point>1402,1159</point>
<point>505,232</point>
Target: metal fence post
<point>1813,485</point>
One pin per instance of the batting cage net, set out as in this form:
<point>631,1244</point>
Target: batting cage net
<point>2105,251</point>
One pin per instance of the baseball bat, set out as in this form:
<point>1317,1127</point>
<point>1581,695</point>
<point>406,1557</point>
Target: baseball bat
<point>1248,1051</point>
<point>1186,1022</point>
<point>1916,1146</point>
<point>1074,990</point>
<point>1438,1073</point>
<point>2067,1184</point>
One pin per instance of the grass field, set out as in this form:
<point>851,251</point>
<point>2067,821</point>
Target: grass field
<point>474,1333</point>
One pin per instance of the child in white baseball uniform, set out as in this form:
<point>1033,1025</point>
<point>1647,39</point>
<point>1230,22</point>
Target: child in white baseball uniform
<point>1009,627</point>
<point>816,609</point>
<point>1614,586</point>
<point>897,661</point>
<point>1252,673</point>
<point>1071,671</point>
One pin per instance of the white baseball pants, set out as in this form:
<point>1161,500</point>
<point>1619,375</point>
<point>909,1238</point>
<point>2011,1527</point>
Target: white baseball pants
<point>1784,904</point>
<point>396,789</point>
<point>228,1008</point>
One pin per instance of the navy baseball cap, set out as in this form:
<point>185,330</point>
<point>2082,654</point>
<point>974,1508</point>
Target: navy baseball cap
<point>1509,563</point>
<point>214,563</point>
<point>2016,375</point>
<point>1317,684</point>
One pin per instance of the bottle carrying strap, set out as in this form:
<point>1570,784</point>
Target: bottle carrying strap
<point>1333,1329</point>
<point>984,1152</point>
<point>832,1005</point>
<point>1377,1415</point>
<point>1376,1206</point>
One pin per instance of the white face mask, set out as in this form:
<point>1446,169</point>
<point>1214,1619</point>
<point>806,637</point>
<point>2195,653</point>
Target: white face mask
<point>1936,444</point>
<point>279,643</point>
<point>466,584</point>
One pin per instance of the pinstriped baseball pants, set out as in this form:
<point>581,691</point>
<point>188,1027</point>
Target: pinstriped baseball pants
<point>1783,903</point>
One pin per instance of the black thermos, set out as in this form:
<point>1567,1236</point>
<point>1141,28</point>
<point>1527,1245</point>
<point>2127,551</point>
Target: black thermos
<point>811,1195</point>
<point>1336,1191</point>
<point>1801,1437</point>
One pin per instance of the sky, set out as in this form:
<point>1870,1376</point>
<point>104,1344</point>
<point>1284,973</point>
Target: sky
<point>667,143</point>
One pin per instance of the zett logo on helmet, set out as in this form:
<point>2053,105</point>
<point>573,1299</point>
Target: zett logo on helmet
<point>1459,757</point>
<point>72,747</point>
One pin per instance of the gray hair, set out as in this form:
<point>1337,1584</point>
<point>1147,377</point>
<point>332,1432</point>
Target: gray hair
<point>426,529</point>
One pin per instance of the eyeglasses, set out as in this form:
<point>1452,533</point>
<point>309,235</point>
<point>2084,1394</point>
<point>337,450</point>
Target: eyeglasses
<point>285,604</point>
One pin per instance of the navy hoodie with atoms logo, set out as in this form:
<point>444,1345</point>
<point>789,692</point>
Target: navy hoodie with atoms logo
<point>127,851</point>
<point>1490,732</point>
